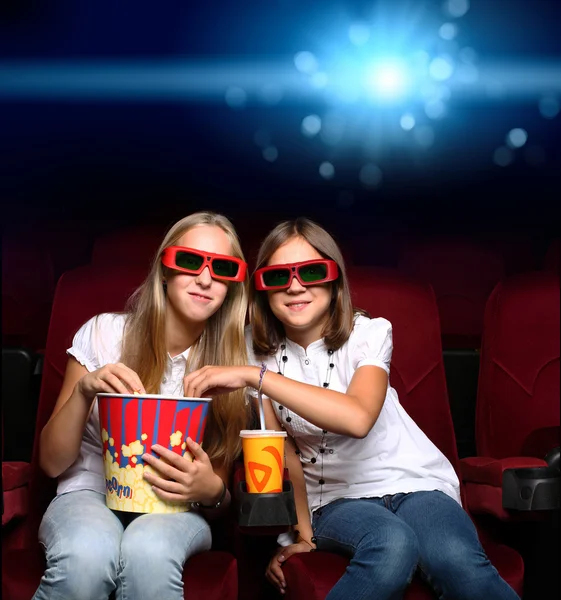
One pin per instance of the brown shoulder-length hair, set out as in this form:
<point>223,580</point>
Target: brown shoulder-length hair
<point>221,343</point>
<point>267,331</point>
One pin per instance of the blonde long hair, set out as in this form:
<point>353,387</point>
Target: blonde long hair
<point>221,343</point>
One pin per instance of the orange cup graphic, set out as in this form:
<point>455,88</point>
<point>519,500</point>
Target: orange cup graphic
<point>263,457</point>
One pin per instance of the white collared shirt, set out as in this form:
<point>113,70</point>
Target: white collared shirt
<point>97,343</point>
<point>396,456</point>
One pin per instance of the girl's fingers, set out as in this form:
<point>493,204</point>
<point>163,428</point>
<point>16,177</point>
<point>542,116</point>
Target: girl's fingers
<point>117,385</point>
<point>169,497</point>
<point>171,487</point>
<point>273,578</point>
<point>276,571</point>
<point>162,467</point>
<point>129,377</point>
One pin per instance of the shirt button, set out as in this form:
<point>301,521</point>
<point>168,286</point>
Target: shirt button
<point>164,380</point>
<point>307,361</point>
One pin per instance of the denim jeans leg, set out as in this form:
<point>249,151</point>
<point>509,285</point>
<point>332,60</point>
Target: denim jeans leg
<point>382,548</point>
<point>451,556</point>
<point>154,549</point>
<point>81,537</point>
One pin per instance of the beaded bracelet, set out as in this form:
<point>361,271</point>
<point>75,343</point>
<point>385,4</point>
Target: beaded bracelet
<point>220,500</point>
<point>261,375</point>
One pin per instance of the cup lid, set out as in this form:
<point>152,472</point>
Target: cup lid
<point>255,433</point>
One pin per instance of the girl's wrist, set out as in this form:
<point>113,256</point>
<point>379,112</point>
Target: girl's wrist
<point>253,377</point>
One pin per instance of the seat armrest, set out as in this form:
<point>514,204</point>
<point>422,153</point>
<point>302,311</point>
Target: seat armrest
<point>504,487</point>
<point>15,490</point>
<point>489,471</point>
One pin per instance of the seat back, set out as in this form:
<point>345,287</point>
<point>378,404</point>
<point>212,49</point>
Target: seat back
<point>80,294</point>
<point>462,273</point>
<point>517,410</point>
<point>131,246</point>
<point>417,376</point>
<point>27,292</point>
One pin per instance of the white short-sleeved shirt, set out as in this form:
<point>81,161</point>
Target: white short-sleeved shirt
<point>396,456</point>
<point>97,343</point>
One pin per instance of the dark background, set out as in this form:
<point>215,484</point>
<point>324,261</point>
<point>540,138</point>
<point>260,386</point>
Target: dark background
<point>114,161</point>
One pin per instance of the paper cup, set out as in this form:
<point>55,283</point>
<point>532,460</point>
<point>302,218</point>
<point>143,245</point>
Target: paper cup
<point>129,426</point>
<point>263,457</point>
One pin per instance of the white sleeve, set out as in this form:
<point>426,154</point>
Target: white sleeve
<point>97,342</point>
<point>372,344</point>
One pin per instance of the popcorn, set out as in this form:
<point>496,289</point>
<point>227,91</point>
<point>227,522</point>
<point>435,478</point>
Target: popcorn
<point>175,438</point>
<point>126,488</point>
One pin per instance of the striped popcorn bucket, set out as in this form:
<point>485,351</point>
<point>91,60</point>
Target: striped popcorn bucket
<point>129,426</point>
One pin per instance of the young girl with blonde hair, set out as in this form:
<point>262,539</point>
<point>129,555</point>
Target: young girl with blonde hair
<point>189,312</point>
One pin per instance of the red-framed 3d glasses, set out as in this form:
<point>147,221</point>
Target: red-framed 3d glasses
<point>189,260</point>
<point>308,272</point>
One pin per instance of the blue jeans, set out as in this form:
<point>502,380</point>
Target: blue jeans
<point>90,553</point>
<point>387,539</point>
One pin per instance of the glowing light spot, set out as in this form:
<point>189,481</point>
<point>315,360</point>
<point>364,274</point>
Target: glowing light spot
<point>235,97</point>
<point>441,68</point>
<point>456,8</point>
<point>435,109</point>
<point>359,33</point>
<point>549,107</point>
<point>448,31</point>
<point>503,156</point>
<point>327,170</point>
<point>370,175</point>
<point>388,79</point>
<point>516,138</point>
<point>270,153</point>
<point>319,80</point>
<point>306,62</point>
<point>407,122</point>
<point>311,125</point>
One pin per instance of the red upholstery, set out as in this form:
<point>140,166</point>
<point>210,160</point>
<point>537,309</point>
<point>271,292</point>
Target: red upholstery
<point>15,490</point>
<point>134,246</point>
<point>80,294</point>
<point>517,413</point>
<point>518,390</point>
<point>417,374</point>
<point>462,273</point>
<point>27,292</point>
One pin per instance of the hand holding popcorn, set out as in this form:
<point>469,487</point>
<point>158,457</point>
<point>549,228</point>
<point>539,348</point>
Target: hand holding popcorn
<point>111,378</point>
<point>177,479</point>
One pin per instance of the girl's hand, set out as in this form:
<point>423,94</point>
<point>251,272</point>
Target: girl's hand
<point>211,381</point>
<point>274,570</point>
<point>177,479</point>
<point>111,378</point>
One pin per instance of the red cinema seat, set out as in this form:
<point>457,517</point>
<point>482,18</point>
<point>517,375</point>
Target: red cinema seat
<point>463,273</point>
<point>27,292</point>
<point>517,411</point>
<point>417,374</point>
<point>80,294</point>
<point>130,246</point>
